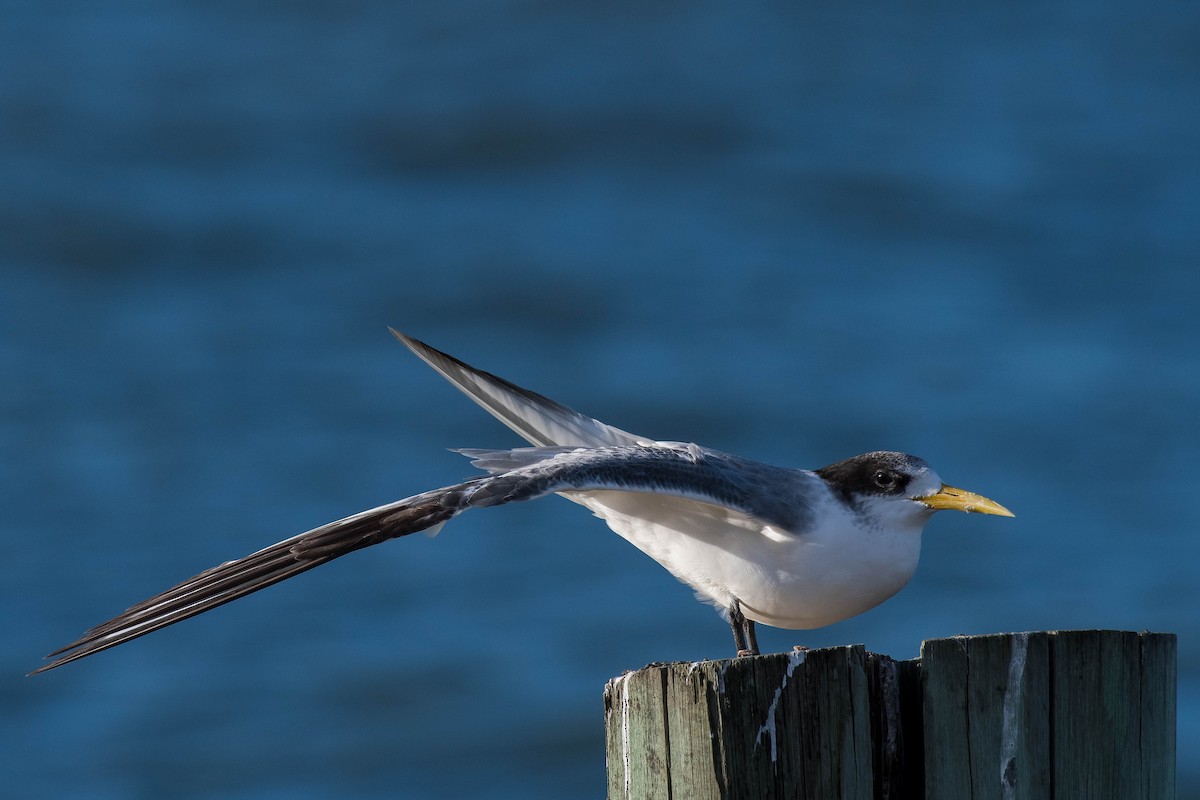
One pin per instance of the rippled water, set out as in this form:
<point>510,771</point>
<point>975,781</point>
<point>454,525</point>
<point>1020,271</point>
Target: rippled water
<point>794,234</point>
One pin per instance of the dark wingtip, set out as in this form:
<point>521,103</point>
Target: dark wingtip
<point>417,346</point>
<point>408,341</point>
<point>46,667</point>
<point>57,658</point>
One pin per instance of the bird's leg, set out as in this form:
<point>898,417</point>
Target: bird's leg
<point>744,638</point>
<point>751,637</point>
<point>739,633</point>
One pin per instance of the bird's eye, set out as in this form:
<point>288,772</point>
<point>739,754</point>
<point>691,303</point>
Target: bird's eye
<point>884,479</point>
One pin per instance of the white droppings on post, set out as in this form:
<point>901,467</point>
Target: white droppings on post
<point>795,659</point>
<point>625,728</point>
<point>1012,705</point>
<point>721,678</point>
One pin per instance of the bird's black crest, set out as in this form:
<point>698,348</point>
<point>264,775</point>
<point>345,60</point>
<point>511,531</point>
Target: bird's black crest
<point>883,474</point>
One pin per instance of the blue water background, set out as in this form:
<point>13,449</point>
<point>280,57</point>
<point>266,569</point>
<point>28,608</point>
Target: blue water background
<point>790,231</point>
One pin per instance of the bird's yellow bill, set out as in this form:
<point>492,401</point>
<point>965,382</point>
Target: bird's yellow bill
<point>961,500</point>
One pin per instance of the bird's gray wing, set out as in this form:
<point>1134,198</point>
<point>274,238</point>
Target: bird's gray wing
<point>234,579</point>
<point>537,419</point>
<point>706,476</point>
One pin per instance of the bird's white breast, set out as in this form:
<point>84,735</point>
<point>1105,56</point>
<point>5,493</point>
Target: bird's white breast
<point>785,579</point>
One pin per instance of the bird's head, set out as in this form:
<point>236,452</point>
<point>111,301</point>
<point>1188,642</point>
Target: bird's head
<point>901,486</point>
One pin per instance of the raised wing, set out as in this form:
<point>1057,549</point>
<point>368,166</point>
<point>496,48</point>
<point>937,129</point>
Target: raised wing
<point>537,419</point>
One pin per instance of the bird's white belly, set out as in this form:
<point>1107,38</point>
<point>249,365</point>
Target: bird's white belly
<point>779,578</point>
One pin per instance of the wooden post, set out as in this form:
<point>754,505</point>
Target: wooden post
<point>1026,715</point>
<point>1082,713</point>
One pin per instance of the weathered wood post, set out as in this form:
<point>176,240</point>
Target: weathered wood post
<point>1026,715</point>
<point>1087,714</point>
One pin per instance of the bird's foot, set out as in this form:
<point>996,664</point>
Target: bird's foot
<point>800,648</point>
<point>742,653</point>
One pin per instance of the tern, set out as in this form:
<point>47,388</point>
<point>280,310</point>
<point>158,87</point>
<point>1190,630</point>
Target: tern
<point>786,547</point>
